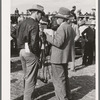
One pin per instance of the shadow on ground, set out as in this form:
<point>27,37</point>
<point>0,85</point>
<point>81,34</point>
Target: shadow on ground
<point>80,86</point>
<point>42,93</point>
<point>79,67</point>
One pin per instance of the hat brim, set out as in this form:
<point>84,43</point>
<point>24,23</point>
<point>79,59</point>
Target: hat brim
<point>62,16</point>
<point>36,10</point>
<point>58,16</point>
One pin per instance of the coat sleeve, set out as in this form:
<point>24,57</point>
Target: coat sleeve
<point>34,38</point>
<point>33,34</point>
<point>58,39</point>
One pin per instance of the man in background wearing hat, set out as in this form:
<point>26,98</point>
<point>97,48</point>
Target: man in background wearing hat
<point>73,13</point>
<point>28,36</point>
<point>89,36</point>
<point>61,47</point>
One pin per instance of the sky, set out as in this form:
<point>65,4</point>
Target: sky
<point>53,5</point>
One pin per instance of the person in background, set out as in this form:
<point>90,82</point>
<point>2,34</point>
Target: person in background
<point>16,11</point>
<point>82,27</point>
<point>42,73</point>
<point>13,38</point>
<point>28,44</point>
<point>78,13</point>
<point>73,13</point>
<point>89,36</point>
<point>61,42</point>
<point>77,36</point>
<point>20,18</point>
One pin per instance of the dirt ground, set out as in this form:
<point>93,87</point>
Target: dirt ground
<point>82,83</point>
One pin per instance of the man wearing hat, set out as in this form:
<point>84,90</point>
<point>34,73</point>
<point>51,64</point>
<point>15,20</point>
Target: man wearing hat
<point>28,44</point>
<point>89,36</point>
<point>61,47</point>
<point>73,13</point>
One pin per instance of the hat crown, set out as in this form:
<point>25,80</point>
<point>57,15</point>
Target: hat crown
<point>64,11</point>
<point>38,7</point>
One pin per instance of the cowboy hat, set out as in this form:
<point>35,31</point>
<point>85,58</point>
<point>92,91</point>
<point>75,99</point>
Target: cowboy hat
<point>64,13</point>
<point>37,8</point>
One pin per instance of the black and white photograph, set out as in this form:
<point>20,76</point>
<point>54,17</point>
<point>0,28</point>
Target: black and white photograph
<point>52,50</point>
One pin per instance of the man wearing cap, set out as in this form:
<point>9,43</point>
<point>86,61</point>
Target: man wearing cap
<point>28,44</point>
<point>61,47</point>
<point>89,36</point>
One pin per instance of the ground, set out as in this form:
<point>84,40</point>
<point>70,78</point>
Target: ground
<point>82,83</point>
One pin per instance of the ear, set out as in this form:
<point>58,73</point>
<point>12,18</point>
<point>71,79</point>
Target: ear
<point>37,12</point>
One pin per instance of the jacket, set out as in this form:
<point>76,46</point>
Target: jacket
<point>61,44</point>
<point>90,34</point>
<point>28,31</point>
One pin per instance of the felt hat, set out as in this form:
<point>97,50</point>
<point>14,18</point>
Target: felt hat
<point>37,7</point>
<point>64,13</point>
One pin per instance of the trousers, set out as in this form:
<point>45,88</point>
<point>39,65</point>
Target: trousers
<point>61,81</point>
<point>88,53</point>
<point>30,66</point>
<point>73,57</point>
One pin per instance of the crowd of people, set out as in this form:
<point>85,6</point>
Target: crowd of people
<point>39,35</point>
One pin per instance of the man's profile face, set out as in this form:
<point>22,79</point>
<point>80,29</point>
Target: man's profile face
<point>39,16</point>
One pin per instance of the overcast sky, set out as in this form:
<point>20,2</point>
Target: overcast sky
<point>53,5</point>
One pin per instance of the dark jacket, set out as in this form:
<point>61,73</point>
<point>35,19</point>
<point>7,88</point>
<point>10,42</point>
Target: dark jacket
<point>90,34</point>
<point>28,31</point>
